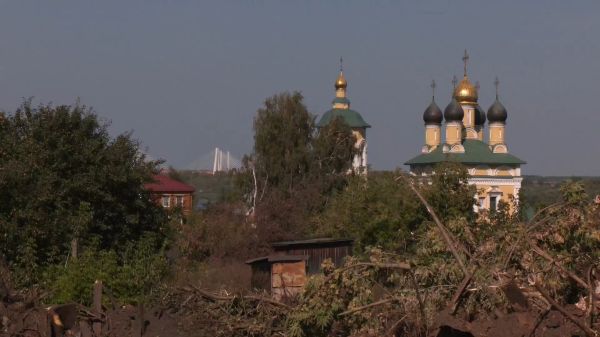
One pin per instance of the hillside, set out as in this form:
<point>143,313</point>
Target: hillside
<point>539,191</point>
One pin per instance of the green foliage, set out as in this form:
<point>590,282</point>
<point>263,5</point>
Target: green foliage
<point>538,192</point>
<point>573,192</point>
<point>289,153</point>
<point>379,211</point>
<point>294,169</point>
<point>131,275</point>
<point>64,178</point>
<point>283,131</point>
<point>449,193</point>
<point>383,211</point>
<point>326,297</point>
<point>333,149</point>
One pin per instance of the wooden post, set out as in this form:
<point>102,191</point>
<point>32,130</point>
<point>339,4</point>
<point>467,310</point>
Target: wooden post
<point>97,307</point>
<point>139,328</point>
<point>74,249</point>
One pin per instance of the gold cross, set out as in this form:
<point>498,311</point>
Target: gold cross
<point>465,59</point>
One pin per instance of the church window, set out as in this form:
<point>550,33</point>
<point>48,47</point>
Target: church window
<point>493,203</point>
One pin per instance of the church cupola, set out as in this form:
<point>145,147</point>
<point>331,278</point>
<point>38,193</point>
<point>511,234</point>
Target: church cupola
<point>453,114</point>
<point>341,109</point>
<point>340,82</point>
<point>467,95</point>
<point>432,116</point>
<point>479,122</point>
<point>465,92</point>
<point>497,116</point>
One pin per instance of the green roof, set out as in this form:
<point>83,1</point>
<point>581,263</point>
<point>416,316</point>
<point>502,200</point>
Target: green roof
<point>476,152</point>
<point>351,117</point>
<point>342,100</point>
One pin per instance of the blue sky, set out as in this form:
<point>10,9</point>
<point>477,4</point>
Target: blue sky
<point>187,76</point>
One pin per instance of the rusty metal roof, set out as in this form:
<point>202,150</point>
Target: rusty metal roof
<point>278,258</point>
<point>316,242</point>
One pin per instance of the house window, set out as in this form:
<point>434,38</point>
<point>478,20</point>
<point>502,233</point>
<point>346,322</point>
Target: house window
<point>493,203</point>
<point>179,201</point>
<point>166,201</point>
<point>481,203</point>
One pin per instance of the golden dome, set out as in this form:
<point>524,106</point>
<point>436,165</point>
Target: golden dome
<point>341,83</point>
<point>465,92</point>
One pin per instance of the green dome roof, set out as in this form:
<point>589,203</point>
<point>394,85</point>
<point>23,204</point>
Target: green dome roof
<point>351,117</point>
<point>476,152</point>
<point>342,100</point>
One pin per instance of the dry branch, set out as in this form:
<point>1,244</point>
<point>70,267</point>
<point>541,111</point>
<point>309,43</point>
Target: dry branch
<point>589,332</point>
<point>460,291</point>
<point>398,265</point>
<point>215,297</point>
<point>374,304</point>
<point>592,291</point>
<point>558,265</point>
<point>451,242</point>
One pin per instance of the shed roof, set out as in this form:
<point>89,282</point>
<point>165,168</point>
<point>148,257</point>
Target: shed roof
<point>278,258</point>
<point>163,183</point>
<point>312,242</point>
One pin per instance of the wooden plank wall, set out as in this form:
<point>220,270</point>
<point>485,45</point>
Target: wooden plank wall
<point>316,255</point>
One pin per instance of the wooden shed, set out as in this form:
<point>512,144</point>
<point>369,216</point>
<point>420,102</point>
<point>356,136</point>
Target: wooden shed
<point>316,250</point>
<point>281,275</point>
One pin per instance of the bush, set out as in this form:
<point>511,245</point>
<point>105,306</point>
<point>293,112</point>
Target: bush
<point>132,275</point>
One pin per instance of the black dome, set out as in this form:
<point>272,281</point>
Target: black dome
<point>454,112</point>
<point>433,114</point>
<point>497,112</point>
<point>479,116</point>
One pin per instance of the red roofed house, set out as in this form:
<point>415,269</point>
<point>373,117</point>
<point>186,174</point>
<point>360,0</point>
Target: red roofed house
<point>170,193</point>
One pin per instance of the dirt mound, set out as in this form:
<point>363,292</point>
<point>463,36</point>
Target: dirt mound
<point>23,315</point>
<point>551,323</point>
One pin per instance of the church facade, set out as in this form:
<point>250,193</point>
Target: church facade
<point>341,108</point>
<point>459,135</point>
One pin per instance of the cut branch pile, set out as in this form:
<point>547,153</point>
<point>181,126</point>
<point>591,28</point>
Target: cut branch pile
<point>490,279</point>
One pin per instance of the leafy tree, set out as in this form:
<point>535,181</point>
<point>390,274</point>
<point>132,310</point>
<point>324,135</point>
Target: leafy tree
<point>378,212</point>
<point>289,153</point>
<point>294,168</point>
<point>282,141</point>
<point>333,151</point>
<point>65,179</point>
<point>449,193</point>
<point>573,192</point>
<point>383,211</point>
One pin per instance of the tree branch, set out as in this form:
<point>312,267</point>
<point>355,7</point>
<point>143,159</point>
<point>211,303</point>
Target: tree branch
<point>215,297</point>
<point>589,332</point>
<point>445,233</point>
<point>374,304</point>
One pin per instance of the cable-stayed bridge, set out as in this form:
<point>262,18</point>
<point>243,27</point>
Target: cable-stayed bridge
<point>218,160</point>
